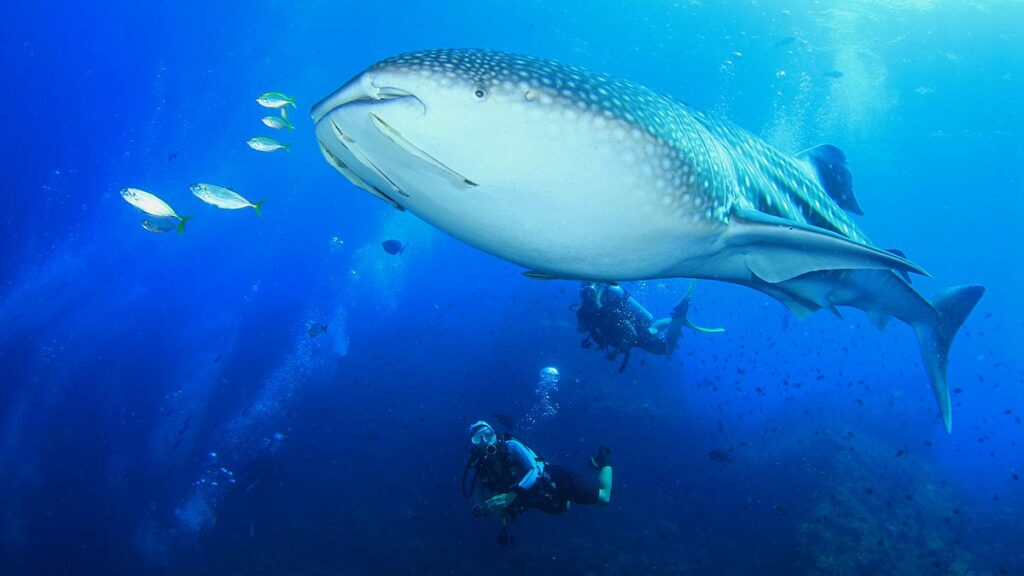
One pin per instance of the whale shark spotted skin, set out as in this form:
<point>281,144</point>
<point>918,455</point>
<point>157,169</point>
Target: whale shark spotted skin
<point>579,175</point>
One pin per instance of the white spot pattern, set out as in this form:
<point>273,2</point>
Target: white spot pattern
<point>702,166</point>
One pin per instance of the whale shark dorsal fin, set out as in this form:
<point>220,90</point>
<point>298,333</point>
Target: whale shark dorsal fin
<point>777,249</point>
<point>829,163</point>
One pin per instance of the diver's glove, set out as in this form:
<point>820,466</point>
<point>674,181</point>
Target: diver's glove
<point>602,458</point>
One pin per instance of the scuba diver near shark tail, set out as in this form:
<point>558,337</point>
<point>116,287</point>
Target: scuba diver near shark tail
<point>514,479</point>
<point>617,322</point>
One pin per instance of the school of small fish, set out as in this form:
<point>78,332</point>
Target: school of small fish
<point>161,218</point>
<point>279,101</point>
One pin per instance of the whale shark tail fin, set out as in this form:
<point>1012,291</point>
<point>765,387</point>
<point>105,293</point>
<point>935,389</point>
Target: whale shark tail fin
<point>935,336</point>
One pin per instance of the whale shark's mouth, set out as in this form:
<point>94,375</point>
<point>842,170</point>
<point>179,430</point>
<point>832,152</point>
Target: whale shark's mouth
<point>356,90</point>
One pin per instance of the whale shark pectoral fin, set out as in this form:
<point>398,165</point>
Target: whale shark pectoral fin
<point>775,249</point>
<point>542,275</point>
<point>535,275</point>
<point>538,275</point>
<point>396,137</point>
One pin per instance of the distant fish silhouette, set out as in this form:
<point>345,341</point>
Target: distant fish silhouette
<point>393,247</point>
<point>833,74</point>
<point>784,41</point>
<point>316,329</point>
<point>505,420</point>
<point>719,456</point>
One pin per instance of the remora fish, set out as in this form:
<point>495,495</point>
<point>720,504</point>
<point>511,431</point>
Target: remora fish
<point>579,175</point>
<point>162,225</point>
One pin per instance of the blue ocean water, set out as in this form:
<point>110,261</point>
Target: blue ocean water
<point>169,406</point>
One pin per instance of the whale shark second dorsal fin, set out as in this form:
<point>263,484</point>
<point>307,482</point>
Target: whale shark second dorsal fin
<point>829,163</point>
<point>903,255</point>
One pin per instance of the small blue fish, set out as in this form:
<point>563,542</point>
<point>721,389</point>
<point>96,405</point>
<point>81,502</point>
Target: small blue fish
<point>393,247</point>
<point>784,41</point>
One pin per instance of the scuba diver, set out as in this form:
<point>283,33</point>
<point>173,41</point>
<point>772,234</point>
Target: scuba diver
<point>514,479</point>
<point>617,323</point>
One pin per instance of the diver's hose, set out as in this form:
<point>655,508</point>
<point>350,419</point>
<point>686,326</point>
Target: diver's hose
<point>470,463</point>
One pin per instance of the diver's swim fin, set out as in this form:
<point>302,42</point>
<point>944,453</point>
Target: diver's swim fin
<point>702,329</point>
<point>682,310</point>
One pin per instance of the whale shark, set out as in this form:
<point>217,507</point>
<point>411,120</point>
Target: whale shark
<point>579,175</point>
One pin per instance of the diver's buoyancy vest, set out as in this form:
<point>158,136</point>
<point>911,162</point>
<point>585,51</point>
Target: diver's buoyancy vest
<point>495,471</point>
<point>499,472</point>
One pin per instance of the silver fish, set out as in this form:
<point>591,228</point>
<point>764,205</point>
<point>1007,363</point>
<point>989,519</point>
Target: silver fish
<point>148,203</point>
<point>222,197</point>
<point>579,175</point>
<point>275,100</point>
<point>264,144</point>
<point>162,218</point>
<point>277,122</point>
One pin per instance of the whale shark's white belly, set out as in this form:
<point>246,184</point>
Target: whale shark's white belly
<point>584,197</point>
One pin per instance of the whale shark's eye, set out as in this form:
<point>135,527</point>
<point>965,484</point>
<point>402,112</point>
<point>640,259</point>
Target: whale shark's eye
<point>479,92</point>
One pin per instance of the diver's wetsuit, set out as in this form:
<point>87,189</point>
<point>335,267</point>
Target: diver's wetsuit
<point>546,487</point>
<point>616,321</point>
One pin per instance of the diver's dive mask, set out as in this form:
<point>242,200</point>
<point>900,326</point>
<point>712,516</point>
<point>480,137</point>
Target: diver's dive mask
<point>481,434</point>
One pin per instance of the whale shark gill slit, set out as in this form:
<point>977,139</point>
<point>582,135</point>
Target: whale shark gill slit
<point>340,166</point>
<point>395,136</point>
<point>361,156</point>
